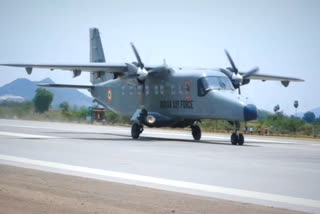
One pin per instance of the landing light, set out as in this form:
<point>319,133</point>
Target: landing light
<point>150,119</point>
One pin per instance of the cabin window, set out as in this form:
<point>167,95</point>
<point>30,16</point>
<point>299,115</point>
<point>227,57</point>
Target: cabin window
<point>173,89</point>
<point>123,90</point>
<point>161,89</point>
<point>156,89</point>
<point>180,89</point>
<point>206,84</point>
<point>130,90</point>
<point>187,87</point>
<point>147,90</point>
<point>139,90</point>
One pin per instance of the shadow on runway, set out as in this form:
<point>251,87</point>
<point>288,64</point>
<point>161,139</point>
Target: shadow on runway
<point>124,137</point>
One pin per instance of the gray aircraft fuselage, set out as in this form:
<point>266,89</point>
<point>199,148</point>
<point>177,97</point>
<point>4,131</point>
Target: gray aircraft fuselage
<point>176,97</point>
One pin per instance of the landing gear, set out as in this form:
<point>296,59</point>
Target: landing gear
<point>196,132</point>
<point>237,138</point>
<point>234,138</point>
<point>241,139</point>
<point>136,130</point>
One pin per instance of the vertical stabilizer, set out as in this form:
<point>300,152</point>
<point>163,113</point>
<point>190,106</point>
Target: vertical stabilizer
<point>97,55</point>
<point>96,49</point>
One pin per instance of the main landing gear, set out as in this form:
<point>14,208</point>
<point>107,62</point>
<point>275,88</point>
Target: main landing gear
<point>237,138</point>
<point>136,130</point>
<point>196,132</point>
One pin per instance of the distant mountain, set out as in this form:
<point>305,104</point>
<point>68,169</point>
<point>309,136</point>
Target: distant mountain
<point>316,111</point>
<point>26,89</point>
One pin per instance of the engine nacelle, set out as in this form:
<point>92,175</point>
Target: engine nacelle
<point>155,119</point>
<point>245,81</point>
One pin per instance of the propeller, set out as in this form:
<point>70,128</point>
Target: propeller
<point>233,73</point>
<point>137,68</point>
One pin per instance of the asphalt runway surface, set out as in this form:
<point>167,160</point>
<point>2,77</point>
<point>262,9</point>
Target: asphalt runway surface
<point>274,172</point>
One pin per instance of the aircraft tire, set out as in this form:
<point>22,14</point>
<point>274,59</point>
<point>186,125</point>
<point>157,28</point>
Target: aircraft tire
<point>240,139</point>
<point>135,131</point>
<point>234,138</point>
<point>196,132</point>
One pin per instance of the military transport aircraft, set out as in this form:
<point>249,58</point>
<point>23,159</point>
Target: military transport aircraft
<point>164,96</point>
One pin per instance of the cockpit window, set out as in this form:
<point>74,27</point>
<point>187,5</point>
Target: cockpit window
<point>206,84</point>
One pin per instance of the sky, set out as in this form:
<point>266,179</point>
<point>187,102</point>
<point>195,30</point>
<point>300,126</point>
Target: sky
<point>281,37</point>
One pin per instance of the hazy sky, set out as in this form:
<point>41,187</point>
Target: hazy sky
<point>282,37</point>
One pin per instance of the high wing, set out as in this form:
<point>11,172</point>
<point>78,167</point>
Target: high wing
<point>66,86</point>
<point>264,77</point>
<point>91,67</point>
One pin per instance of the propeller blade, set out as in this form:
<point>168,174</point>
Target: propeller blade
<point>235,70</point>
<point>250,73</point>
<point>227,72</point>
<point>239,91</point>
<point>141,65</point>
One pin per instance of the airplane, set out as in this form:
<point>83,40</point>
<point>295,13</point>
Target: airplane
<point>165,96</point>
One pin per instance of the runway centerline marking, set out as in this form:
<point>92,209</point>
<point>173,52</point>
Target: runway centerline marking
<point>13,134</point>
<point>167,182</point>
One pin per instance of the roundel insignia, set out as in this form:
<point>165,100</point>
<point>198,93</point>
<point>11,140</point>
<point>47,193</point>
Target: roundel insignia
<point>109,95</point>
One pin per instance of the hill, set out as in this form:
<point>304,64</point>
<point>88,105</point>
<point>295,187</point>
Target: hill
<point>25,88</point>
<point>316,111</point>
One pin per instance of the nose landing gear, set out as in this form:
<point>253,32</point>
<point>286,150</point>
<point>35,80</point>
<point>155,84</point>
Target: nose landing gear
<point>237,138</point>
<point>136,130</point>
<point>196,132</point>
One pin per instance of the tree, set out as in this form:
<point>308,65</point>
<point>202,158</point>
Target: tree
<point>292,124</point>
<point>309,117</point>
<point>42,100</point>
<point>64,106</point>
<point>296,105</point>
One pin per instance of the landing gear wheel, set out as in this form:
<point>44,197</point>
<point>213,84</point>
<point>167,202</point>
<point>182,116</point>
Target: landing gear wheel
<point>234,138</point>
<point>237,139</point>
<point>240,139</point>
<point>136,130</point>
<point>196,132</point>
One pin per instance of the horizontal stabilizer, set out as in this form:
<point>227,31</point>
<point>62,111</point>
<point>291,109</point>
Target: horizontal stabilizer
<point>66,86</point>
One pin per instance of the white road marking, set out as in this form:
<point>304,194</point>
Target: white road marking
<point>168,182</point>
<point>31,127</point>
<point>13,134</point>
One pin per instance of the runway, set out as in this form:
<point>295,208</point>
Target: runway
<point>268,171</point>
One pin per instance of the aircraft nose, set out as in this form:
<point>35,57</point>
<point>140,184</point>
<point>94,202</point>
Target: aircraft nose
<point>250,112</point>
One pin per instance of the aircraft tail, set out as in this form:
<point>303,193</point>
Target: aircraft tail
<point>97,56</point>
<point>96,49</point>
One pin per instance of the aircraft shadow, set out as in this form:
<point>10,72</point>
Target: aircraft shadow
<point>125,137</point>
